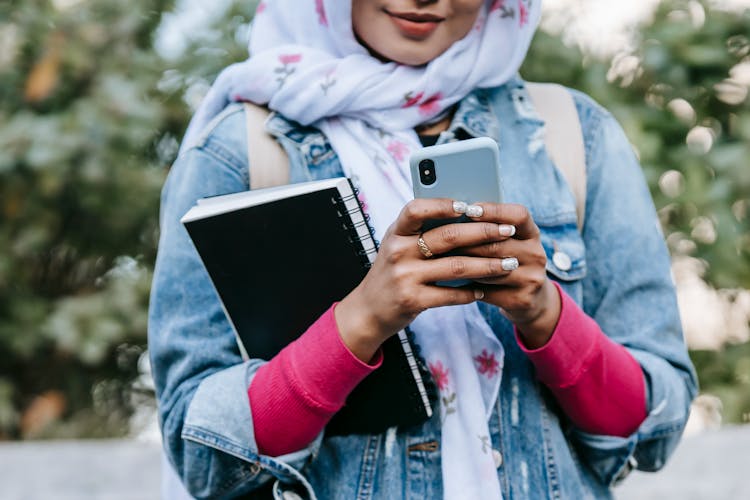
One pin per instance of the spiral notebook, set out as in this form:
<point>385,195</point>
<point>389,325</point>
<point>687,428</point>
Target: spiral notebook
<point>278,258</point>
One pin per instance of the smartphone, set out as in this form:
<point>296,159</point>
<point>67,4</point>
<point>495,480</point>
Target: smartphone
<point>466,171</point>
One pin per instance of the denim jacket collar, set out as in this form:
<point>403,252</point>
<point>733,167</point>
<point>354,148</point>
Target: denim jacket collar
<point>475,118</point>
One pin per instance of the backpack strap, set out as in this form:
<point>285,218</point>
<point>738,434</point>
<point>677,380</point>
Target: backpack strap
<point>563,138</point>
<point>267,161</point>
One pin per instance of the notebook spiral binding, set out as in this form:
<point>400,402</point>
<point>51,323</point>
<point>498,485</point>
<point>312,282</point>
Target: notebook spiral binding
<point>360,231</point>
<point>430,387</point>
<point>357,224</point>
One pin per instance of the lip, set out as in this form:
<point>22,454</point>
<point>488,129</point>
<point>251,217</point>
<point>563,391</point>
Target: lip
<point>415,24</point>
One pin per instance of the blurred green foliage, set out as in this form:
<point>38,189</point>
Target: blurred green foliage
<point>726,374</point>
<point>91,116</point>
<point>681,96</point>
<point>85,140</point>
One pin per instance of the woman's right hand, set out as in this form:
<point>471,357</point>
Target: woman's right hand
<point>400,284</point>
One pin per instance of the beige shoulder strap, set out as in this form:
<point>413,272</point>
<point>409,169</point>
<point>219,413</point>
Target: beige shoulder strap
<point>267,160</point>
<point>563,137</point>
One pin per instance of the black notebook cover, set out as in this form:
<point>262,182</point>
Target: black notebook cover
<point>278,265</point>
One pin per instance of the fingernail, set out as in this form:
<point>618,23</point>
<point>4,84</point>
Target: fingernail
<point>479,294</point>
<point>509,264</point>
<point>506,230</point>
<point>474,211</point>
<point>459,207</point>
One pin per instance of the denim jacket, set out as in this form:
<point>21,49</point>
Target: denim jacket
<point>618,271</point>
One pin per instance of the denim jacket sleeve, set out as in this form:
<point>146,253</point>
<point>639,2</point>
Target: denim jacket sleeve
<point>201,379</point>
<point>629,291</point>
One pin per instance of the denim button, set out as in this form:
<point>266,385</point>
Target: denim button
<point>562,261</point>
<point>498,458</point>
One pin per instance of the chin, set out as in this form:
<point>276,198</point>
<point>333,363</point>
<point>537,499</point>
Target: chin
<point>411,53</point>
<point>412,59</point>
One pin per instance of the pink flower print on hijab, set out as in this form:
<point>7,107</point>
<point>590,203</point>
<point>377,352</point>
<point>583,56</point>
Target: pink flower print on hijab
<point>287,67</point>
<point>448,397</point>
<point>321,11</point>
<point>439,374</point>
<point>488,364</point>
<point>398,150</point>
<point>505,11</point>
<point>523,14</point>
<point>412,100</point>
<point>497,5</point>
<point>260,8</point>
<point>290,58</point>
<point>431,106</point>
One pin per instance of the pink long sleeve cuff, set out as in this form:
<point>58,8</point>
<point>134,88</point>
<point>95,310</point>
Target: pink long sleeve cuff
<point>597,382</point>
<point>296,393</point>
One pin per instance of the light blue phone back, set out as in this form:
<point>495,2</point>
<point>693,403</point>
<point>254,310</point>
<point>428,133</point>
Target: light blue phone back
<point>466,171</point>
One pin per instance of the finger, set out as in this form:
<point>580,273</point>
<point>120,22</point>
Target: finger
<point>511,214</point>
<point>514,278</point>
<point>528,252</point>
<point>451,236</point>
<point>439,296</point>
<point>507,298</point>
<point>415,213</point>
<point>458,267</point>
<point>517,292</point>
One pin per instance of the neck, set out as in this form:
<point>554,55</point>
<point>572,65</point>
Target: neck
<point>435,128</point>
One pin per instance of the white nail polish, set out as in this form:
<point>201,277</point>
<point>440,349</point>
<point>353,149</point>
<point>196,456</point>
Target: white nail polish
<point>509,264</point>
<point>478,294</point>
<point>474,211</point>
<point>459,207</point>
<point>506,230</point>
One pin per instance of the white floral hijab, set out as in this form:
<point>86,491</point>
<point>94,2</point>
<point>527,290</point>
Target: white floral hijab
<point>307,64</point>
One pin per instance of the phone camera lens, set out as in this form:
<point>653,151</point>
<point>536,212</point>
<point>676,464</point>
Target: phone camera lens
<point>427,172</point>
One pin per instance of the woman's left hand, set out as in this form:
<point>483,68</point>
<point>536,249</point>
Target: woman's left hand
<point>525,295</point>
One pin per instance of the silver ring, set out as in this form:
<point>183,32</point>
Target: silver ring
<point>423,248</point>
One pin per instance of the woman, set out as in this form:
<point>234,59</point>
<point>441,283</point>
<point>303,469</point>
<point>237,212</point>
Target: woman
<point>559,375</point>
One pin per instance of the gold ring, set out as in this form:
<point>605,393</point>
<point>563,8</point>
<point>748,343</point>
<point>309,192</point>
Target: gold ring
<point>424,248</point>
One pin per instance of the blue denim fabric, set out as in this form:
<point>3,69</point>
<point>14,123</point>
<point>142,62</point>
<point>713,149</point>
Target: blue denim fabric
<point>619,274</point>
